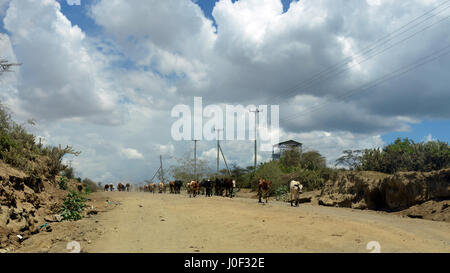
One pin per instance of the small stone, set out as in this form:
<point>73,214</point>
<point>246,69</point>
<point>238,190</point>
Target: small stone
<point>58,217</point>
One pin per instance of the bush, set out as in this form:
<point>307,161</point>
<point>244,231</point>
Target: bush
<point>19,149</point>
<point>73,206</point>
<point>406,155</point>
<point>89,186</point>
<point>63,183</point>
<point>271,171</point>
<point>281,193</point>
<point>69,173</point>
<point>290,159</point>
<point>313,160</point>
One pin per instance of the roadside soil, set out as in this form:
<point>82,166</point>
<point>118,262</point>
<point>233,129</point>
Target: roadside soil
<point>144,222</point>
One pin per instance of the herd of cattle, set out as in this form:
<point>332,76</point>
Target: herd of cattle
<point>208,187</point>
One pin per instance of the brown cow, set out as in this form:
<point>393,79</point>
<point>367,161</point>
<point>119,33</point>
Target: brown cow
<point>107,187</point>
<point>229,185</point>
<point>263,189</point>
<point>172,186</point>
<point>193,188</point>
<point>120,187</point>
<point>146,188</point>
<point>152,187</point>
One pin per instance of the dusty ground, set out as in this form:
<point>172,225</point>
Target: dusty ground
<point>145,222</point>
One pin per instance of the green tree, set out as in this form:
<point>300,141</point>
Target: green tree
<point>350,159</point>
<point>313,160</point>
<point>291,158</point>
<point>406,155</point>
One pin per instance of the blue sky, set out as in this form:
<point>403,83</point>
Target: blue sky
<point>439,130</point>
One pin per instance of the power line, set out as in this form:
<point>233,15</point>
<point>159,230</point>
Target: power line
<point>394,74</point>
<point>378,43</point>
<point>337,68</point>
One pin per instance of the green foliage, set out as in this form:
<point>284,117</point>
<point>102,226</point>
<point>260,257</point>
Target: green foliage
<point>308,168</point>
<point>406,155</point>
<point>281,192</point>
<point>272,171</point>
<point>313,160</point>
<point>73,206</point>
<point>18,149</point>
<point>290,159</point>
<point>89,186</point>
<point>69,173</point>
<point>311,179</point>
<point>63,183</point>
<point>350,159</point>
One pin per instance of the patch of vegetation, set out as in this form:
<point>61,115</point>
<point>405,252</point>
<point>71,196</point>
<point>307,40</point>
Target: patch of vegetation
<point>401,155</point>
<point>62,183</point>
<point>73,206</point>
<point>309,168</point>
<point>68,172</point>
<point>19,149</point>
<point>89,186</point>
<point>281,192</point>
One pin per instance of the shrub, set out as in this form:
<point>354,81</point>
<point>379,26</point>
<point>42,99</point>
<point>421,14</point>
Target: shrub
<point>271,171</point>
<point>281,193</point>
<point>73,206</point>
<point>63,183</point>
<point>69,173</point>
<point>406,155</point>
<point>89,186</point>
<point>313,160</point>
<point>19,149</point>
<point>311,179</point>
<point>290,159</point>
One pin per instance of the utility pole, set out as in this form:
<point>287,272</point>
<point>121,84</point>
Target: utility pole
<point>161,168</point>
<point>195,159</point>
<point>256,111</point>
<point>224,160</point>
<point>218,148</point>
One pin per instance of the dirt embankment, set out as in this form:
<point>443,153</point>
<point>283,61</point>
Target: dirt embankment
<point>27,205</point>
<point>416,194</point>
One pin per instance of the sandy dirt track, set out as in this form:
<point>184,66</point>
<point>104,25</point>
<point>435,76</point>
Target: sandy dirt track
<point>145,222</point>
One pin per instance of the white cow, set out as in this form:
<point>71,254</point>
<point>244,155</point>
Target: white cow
<point>295,188</point>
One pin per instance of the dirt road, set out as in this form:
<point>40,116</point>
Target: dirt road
<point>145,222</point>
